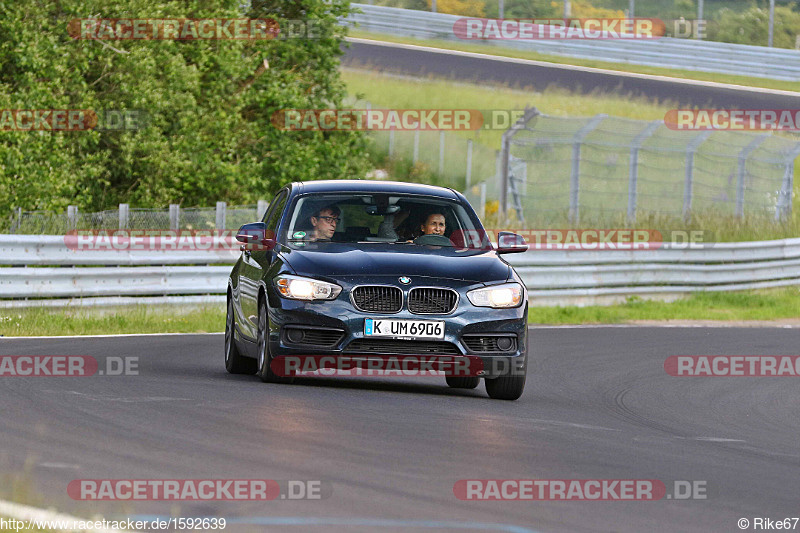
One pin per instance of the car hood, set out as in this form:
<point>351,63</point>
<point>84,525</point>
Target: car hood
<point>379,259</point>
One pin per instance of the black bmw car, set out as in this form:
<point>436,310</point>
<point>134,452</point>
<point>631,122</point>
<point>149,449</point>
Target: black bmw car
<point>368,269</point>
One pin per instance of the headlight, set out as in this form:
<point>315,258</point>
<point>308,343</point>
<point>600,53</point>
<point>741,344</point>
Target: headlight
<point>298,288</point>
<point>497,296</point>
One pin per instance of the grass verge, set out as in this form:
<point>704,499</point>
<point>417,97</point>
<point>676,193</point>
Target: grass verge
<point>405,92</point>
<point>760,305</point>
<point>138,319</point>
<point>747,81</point>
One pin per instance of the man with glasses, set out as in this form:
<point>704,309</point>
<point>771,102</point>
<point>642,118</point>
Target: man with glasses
<point>324,223</point>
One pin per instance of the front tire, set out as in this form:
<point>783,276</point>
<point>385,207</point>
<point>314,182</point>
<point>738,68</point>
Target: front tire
<point>505,387</point>
<point>235,362</point>
<point>264,358</point>
<point>467,382</point>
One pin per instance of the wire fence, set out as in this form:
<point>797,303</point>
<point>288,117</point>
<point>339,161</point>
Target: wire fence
<point>219,217</point>
<point>601,167</point>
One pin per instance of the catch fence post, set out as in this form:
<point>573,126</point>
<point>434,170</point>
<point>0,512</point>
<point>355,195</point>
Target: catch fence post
<point>508,135</point>
<point>742,171</point>
<point>221,215</point>
<point>72,216</point>
<point>174,217</point>
<point>575,173</point>
<point>688,184</point>
<point>633,171</point>
<point>124,216</point>
<point>783,207</point>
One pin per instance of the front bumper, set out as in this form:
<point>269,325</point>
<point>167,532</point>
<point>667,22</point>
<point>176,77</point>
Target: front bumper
<point>337,328</point>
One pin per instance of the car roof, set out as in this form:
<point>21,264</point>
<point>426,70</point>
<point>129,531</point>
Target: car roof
<point>372,186</point>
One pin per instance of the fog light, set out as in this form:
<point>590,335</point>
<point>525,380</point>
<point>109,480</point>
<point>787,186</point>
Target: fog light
<point>295,335</point>
<point>505,343</point>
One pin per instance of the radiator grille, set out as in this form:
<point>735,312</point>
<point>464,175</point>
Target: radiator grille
<point>430,301</point>
<point>378,299</point>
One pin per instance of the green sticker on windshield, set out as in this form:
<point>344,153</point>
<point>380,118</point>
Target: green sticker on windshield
<point>299,234</point>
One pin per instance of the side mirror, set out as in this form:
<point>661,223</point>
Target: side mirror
<point>257,236</point>
<point>510,243</point>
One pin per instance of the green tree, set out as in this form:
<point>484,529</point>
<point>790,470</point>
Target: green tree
<point>209,102</point>
<point>751,26</point>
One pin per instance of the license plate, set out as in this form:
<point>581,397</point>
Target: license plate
<point>415,329</point>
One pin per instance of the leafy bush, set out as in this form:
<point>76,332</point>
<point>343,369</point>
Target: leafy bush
<point>209,104</point>
<point>468,8</point>
<point>751,26</point>
<point>585,9</point>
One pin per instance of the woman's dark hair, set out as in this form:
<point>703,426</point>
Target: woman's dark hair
<point>437,211</point>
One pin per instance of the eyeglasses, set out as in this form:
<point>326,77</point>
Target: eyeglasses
<point>330,220</point>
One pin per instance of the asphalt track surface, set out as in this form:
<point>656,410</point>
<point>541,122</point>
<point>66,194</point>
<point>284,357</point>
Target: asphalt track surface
<point>537,76</point>
<point>598,405</point>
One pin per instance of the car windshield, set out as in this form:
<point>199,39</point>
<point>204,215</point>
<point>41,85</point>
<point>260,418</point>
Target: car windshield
<point>384,218</point>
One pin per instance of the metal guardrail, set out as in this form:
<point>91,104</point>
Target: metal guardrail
<point>43,250</point>
<point>688,54</point>
<point>552,276</point>
<point>21,282</point>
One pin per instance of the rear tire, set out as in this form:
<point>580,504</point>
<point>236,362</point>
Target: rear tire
<point>468,382</point>
<point>264,358</point>
<point>505,387</point>
<point>235,362</point>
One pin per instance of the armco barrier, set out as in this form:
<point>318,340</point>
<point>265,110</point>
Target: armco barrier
<point>689,54</point>
<point>553,277</point>
<point>16,282</point>
<point>43,250</point>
